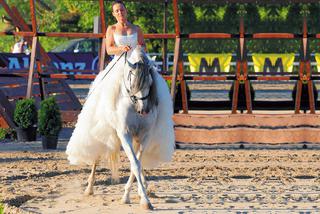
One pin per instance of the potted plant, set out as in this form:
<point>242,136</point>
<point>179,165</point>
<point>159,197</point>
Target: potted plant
<point>7,134</point>
<point>25,117</point>
<point>49,123</point>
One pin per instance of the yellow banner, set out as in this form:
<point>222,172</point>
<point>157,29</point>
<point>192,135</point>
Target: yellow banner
<point>210,62</point>
<point>317,56</point>
<point>273,62</point>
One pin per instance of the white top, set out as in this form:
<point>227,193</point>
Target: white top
<point>130,40</point>
<point>17,48</point>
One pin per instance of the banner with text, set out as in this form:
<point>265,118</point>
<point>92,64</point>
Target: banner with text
<point>273,62</point>
<point>208,62</point>
<point>64,61</point>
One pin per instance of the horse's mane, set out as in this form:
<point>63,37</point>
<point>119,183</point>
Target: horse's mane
<point>142,77</point>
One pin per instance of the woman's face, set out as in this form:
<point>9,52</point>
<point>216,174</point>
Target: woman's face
<point>119,12</point>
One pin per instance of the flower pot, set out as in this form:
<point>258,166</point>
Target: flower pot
<point>26,134</point>
<point>49,142</point>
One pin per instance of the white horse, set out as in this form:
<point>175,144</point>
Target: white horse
<point>131,108</point>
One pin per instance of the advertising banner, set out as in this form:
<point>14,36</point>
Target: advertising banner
<point>273,63</point>
<point>210,62</point>
<point>64,61</point>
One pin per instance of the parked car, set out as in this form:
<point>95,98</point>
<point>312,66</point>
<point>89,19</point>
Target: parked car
<point>89,45</point>
<point>79,46</point>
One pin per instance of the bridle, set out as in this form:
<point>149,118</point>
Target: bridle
<point>134,99</point>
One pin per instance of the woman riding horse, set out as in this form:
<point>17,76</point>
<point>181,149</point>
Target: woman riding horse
<point>128,105</point>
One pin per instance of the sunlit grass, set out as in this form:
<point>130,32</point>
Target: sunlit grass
<point>1,208</point>
<point>3,26</point>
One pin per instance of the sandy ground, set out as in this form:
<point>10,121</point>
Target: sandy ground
<point>219,180</point>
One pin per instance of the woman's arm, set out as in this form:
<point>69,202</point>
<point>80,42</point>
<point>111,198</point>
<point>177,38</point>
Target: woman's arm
<point>141,38</point>
<point>111,47</point>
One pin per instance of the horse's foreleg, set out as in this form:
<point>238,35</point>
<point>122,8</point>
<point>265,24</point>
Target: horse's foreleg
<point>144,181</point>
<point>126,196</point>
<point>127,188</point>
<point>91,180</point>
<point>135,169</point>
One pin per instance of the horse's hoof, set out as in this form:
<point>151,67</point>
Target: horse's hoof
<point>88,192</point>
<point>125,200</point>
<point>146,206</point>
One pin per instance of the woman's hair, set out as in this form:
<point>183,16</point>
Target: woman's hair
<point>117,2</point>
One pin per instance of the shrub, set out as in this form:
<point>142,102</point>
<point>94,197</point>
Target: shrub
<point>3,133</point>
<point>49,118</point>
<point>25,113</point>
<point>1,208</point>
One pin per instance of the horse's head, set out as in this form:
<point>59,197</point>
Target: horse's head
<point>139,82</point>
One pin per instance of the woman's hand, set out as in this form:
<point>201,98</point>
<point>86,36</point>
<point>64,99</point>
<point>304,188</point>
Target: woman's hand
<point>124,48</point>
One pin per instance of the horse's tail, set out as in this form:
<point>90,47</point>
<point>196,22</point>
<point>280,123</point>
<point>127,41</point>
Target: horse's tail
<point>113,160</point>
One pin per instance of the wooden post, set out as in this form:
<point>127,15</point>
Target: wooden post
<point>311,97</point>
<point>298,97</point>
<point>247,87</point>
<point>239,67</point>
<point>41,82</point>
<point>183,84</point>
<point>34,49</point>
<point>299,88</point>
<point>310,88</point>
<point>102,16</point>
<point>33,17</point>
<point>248,96</point>
<point>176,17</point>
<point>32,66</point>
<point>308,66</point>
<point>178,61</point>
<point>244,66</point>
<point>175,69</point>
<point>102,53</point>
<point>165,41</point>
<point>304,38</point>
<point>236,89</point>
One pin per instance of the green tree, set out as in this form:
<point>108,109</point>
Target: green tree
<point>77,16</point>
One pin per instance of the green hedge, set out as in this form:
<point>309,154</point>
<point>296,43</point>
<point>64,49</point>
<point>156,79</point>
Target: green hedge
<point>25,113</point>
<point>49,118</point>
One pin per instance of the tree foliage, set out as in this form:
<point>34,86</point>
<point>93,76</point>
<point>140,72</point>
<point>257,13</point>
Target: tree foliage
<point>77,16</point>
